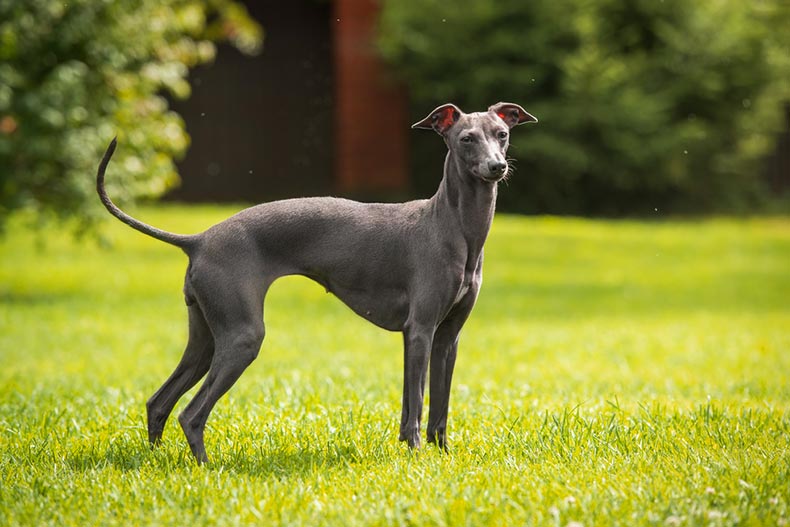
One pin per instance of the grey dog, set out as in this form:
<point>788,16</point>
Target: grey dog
<point>413,267</point>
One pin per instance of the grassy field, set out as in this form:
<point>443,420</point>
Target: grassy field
<point>613,373</point>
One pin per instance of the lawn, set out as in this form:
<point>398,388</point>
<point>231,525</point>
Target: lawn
<point>612,373</point>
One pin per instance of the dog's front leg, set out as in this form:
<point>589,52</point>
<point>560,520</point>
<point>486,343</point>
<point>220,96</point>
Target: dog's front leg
<point>417,341</point>
<point>445,349</point>
<point>443,353</point>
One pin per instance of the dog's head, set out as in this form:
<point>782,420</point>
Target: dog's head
<point>480,139</point>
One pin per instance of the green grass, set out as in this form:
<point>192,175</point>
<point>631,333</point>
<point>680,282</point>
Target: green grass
<point>612,373</point>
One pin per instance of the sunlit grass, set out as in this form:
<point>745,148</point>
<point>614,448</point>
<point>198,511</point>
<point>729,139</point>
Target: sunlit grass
<point>612,373</point>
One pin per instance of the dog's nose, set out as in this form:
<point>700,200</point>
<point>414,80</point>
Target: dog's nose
<point>497,167</point>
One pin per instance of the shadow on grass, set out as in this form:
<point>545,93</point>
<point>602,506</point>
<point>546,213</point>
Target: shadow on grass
<point>283,462</point>
<point>37,298</point>
<point>135,455</point>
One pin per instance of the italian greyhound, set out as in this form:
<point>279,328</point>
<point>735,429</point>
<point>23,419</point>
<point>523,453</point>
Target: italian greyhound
<point>413,267</point>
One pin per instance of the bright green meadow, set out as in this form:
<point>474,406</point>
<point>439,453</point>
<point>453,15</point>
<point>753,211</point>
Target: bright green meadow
<point>612,373</point>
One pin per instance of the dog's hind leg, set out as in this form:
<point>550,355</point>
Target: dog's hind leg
<point>235,351</point>
<point>234,312</point>
<point>193,366</point>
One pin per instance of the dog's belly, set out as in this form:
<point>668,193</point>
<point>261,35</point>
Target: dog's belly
<point>387,309</point>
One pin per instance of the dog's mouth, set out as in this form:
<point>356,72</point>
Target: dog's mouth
<point>483,173</point>
<point>494,178</point>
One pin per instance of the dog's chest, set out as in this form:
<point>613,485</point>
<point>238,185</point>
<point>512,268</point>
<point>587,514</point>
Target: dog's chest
<point>466,282</point>
<point>462,290</point>
<point>467,269</point>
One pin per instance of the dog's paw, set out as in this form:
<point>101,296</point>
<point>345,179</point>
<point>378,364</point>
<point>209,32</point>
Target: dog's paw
<point>438,438</point>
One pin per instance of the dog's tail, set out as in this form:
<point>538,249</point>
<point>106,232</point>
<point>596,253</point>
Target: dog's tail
<point>179,240</point>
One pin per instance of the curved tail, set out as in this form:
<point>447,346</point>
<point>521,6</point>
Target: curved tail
<point>179,240</point>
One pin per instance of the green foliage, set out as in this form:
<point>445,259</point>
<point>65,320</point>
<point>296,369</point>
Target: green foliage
<point>612,373</point>
<point>642,104</point>
<point>74,74</point>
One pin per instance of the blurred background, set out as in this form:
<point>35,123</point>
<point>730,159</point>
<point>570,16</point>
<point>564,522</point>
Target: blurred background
<point>645,106</point>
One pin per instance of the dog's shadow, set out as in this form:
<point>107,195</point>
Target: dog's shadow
<point>285,462</point>
<point>133,455</point>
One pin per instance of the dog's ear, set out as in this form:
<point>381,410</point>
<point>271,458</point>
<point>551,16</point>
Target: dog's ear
<point>512,114</point>
<point>441,119</point>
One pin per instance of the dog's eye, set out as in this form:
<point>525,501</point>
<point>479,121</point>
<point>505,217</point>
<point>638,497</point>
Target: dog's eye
<point>502,135</point>
<point>467,139</point>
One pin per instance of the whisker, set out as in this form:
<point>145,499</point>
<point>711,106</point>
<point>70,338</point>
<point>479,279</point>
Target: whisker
<point>511,168</point>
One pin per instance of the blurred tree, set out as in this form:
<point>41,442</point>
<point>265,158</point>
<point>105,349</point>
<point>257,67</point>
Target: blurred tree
<point>643,104</point>
<point>74,74</point>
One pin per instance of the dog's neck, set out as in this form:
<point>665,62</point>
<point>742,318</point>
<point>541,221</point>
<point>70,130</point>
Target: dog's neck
<point>465,204</point>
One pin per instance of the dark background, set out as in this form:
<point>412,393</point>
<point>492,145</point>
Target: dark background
<point>261,126</point>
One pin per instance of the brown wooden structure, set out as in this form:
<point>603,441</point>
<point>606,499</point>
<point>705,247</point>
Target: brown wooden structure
<point>315,113</point>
